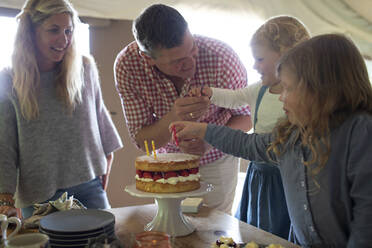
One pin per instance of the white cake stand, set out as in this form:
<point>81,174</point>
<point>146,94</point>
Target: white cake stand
<point>169,217</point>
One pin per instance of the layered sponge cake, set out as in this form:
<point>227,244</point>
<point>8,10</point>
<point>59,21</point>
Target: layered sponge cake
<point>167,173</point>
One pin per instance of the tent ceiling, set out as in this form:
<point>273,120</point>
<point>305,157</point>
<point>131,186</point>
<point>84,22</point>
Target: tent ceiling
<point>352,17</point>
<point>127,9</point>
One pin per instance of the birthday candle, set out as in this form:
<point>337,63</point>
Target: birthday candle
<point>174,135</point>
<point>153,148</point>
<point>147,148</point>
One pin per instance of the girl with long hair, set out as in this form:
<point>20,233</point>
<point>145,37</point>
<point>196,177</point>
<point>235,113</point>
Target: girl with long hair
<point>322,146</point>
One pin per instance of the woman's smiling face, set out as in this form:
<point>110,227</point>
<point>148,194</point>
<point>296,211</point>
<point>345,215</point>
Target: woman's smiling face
<point>52,39</point>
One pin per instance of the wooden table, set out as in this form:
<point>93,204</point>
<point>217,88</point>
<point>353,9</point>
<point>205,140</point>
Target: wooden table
<point>210,225</point>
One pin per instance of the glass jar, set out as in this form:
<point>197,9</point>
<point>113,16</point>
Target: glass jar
<point>152,239</point>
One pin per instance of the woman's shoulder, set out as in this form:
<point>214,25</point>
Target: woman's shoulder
<point>6,82</point>
<point>88,62</point>
<point>90,67</point>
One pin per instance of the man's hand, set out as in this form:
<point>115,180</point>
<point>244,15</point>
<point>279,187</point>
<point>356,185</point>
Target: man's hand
<point>194,146</point>
<point>190,108</point>
<point>184,108</point>
<point>8,210</point>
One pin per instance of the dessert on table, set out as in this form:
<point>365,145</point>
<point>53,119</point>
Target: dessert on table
<point>167,173</point>
<point>226,242</point>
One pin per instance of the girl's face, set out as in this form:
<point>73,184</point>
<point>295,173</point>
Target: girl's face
<point>52,39</point>
<point>294,107</point>
<point>265,62</point>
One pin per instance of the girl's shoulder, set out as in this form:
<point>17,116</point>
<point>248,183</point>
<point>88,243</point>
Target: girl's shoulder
<point>358,124</point>
<point>255,86</point>
<point>362,119</point>
<point>254,89</point>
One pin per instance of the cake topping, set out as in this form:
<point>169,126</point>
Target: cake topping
<point>166,157</point>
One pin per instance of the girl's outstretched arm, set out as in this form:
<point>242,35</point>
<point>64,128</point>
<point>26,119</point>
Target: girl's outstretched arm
<point>235,142</point>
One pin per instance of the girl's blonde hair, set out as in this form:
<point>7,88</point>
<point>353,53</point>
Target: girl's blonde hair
<point>333,82</point>
<point>280,33</point>
<point>26,74</point>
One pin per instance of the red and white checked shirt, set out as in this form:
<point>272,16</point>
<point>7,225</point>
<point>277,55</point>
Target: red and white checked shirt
<point>147,94</point>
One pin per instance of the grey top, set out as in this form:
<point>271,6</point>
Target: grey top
<point>58,149</point>
<point>339,213</point>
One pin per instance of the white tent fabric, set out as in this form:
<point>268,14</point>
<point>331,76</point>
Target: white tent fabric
<point>351,17</point>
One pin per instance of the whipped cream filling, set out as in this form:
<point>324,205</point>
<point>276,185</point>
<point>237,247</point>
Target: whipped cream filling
<point>167,157</point>
<point>172,180</point>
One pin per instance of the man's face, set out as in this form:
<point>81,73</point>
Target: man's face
<point>178,61</point>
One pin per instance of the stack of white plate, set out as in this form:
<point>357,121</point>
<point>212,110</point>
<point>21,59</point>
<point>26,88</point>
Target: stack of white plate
<point>74,228</point>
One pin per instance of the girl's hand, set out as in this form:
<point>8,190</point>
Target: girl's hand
<point>194,146</point>
<point>186,130</point>
<point>201,91</point>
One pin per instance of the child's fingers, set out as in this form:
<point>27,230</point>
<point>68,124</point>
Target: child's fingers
<point>206,91</point>
<point>177,126</point>
<point>195,91</point>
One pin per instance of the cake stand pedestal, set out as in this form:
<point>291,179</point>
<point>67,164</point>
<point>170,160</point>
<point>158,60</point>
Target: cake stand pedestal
<point>169,217</point>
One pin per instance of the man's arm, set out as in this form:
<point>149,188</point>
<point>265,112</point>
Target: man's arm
<point>184,109</point>
<point>158,131</point>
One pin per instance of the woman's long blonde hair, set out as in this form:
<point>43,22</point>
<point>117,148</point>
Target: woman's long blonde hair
<point>26,74</point>
<point>333,84</point>
<point>281,33</point>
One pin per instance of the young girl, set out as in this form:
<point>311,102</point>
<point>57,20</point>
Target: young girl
<point>55,132</point>
<point>263,202</point>
<point>323,145</point>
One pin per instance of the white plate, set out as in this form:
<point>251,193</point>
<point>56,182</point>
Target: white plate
<point>204,188</point>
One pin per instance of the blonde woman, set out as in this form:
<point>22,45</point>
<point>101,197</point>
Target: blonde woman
<point>263,202</point>
<point>55,132</point>
<point>322,146</point>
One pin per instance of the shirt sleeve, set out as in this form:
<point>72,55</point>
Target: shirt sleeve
<point>233,75</point>
<point>137,113</point>
<point>233,99</point>
<point>8,138</point>
<point>360,175</point>
<point>240,144</point>
<point>110,138</point>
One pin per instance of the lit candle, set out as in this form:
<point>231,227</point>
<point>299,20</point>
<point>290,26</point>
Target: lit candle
<point>175,135</point>
<point>153,148</point>
<point>147,148</point>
